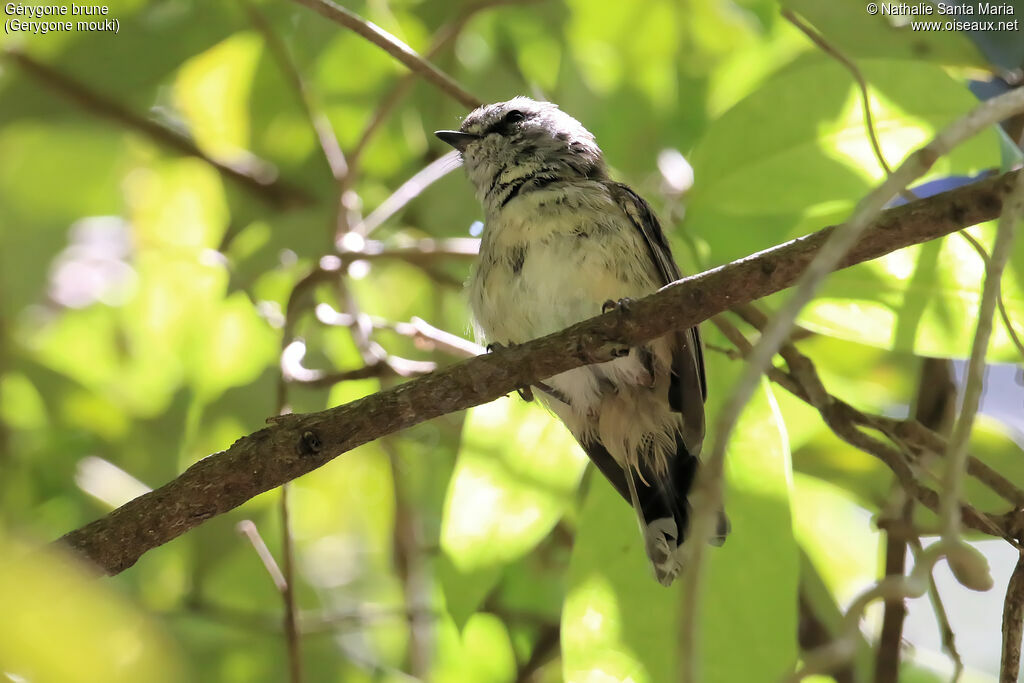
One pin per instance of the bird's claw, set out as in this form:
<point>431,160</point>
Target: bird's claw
<point>623,304</point>
<point>525,393</point>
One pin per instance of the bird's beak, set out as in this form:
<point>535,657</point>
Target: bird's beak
<point>456,139</point>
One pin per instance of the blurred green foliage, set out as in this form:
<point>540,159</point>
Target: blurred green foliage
<point>142,297</point>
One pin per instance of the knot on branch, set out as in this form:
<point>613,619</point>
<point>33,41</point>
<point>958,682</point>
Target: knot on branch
<point>310,443</point>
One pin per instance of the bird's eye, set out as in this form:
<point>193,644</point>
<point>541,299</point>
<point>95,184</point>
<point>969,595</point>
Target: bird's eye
<point>514,116</point>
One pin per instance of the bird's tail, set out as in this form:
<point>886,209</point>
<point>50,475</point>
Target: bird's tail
<point>660,501</point>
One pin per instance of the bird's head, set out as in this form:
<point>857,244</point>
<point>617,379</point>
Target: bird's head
<point>504,142</point>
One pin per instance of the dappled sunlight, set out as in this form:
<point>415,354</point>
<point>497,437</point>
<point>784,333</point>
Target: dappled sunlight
<point>515,471</point>
<point>898,133</point>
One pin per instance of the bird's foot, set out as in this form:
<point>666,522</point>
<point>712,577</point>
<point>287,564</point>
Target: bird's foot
<point>622,306</point>
<point>660,544</point>
<point>525,393</point>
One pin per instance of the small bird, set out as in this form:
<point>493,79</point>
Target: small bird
<point>562,242</point>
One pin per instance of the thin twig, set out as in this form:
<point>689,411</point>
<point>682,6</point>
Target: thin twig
<point>812,633</point>
<point>707,494</point>
<point>1013,623</point>
<point>426,335</point>
<point>444,37</point>
<point>314,113</point>
<point>807,385</point>
<point>311,622</point>
<point>290,621</point>
<point>978,247</point>
<point>956,454</point>
<point>843,647</point>
<point>862,85</point>
<point>256,176</point>
<point>887,661</point>
<point>410,567</point>
<point>248,529</point>
<point>544,648</point>
<point>843,419</point>
<point>382,365</point>
<point>394,47</point>
<point>945,628</point>
<point>408,191</point>
<point>417,252</point>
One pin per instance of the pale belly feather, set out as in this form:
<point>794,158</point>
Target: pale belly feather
<point>540,276</point>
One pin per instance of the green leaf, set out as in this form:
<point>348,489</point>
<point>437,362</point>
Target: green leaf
<point>923,299</point>
<point>848,26</point>
<point>235,346</point>
<point>824,512</point>
<point>809,164</point>
<point>50,600</point>
<point>619,623</point>
<point>212,91</point>
<point>515,475</point>
<point>481,653</point>
<point>811,158</point>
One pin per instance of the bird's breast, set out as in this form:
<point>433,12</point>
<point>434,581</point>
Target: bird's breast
<point>549,261</point>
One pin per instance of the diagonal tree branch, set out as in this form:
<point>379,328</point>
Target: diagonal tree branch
<point>294,445</point>
<point>257,176</point>
<point>394,47</point>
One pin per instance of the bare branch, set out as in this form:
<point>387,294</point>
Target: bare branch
<point>290,621</point>
<point>945,628</point>
<point>707,491</point>
<point>394,47</point>
<point>317,118</point>
<point>1013,622</point>
<point>999,298</point>
<point>444,37</point>
<point>862,85</point>
<point>956,454</point>
<point>426,335</point>
<point>282,581</point>
<point>544,649</point>
<point>843,419</point>
<point>408,191</point>
<point>890,642</point>
<point>294,445</point>
<point>257,176</point>
<point>248,529</point>
<point>840,650</point>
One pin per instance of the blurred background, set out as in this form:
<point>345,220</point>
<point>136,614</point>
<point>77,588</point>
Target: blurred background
<point>215,183</point>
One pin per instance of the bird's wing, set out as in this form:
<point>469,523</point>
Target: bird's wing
<point>688,388</point>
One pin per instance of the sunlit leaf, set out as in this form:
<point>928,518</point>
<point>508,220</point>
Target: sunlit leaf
<point>481,652</point>
<point>922,299</point>
<point>813,156</point>
<point>823,512</point>
<point>809,164</point>
<point>516,472</point>
<point>211,91</point>
<point>234,348</point>
<point>848,26</point>
<point>51,602</point>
